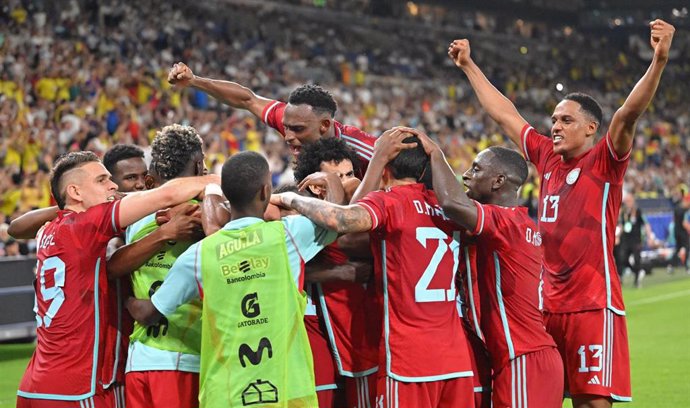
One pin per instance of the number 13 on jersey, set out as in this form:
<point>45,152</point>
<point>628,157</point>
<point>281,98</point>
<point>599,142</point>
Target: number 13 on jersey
<point>426,236</point>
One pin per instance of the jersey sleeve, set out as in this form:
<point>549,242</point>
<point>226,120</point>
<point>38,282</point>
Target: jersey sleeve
<point>308,238</point>
<point>304,240</point>
<point>607,162</point>
<point>375,204</point>
<point>99,223</point>
<point>182,284</point>
<point>491,224</point>
<point>534,146</point>
<point>273,116</point>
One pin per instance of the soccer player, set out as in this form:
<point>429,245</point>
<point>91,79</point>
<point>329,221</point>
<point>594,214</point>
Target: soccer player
<point>580,196</point>
<point>423,354</point>
<point>249,275</point>
<point>69,367</point>
<point>126,164</point>
<point>127,167</point>
<point>308,115</point>
<point>163,361</point>
<point>527,369</point>
<point>343,332</point>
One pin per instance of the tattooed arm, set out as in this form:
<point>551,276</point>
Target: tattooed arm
<point>339,218</point>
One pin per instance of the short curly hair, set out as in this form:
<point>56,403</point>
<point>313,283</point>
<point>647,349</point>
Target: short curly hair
<point>121,152</point>
<point>318,98</point>
<point>172,149</point>
<point>324,150</point>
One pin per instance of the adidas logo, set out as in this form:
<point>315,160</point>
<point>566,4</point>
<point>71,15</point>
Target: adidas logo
<point>594,380</point>
<point>160,255</point>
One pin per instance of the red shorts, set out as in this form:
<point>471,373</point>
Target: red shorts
<point>113,397</point>
<point>594,348</point>
<point>360,392</point>
<point>325,372</point>
<point>530,380</point>
<point>173,389</point>
<point>452,393</point>
<point>481,366</point>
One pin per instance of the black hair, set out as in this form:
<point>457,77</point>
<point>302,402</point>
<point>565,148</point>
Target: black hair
<point>173,149</point>
<point>64,164</point>
<point>588,104</point>
<point>242,177</point>
<point>511,162</point>
<point>324,150</point>
<point>318,98</point>
<point>411,163</point>
<point>121,152</point>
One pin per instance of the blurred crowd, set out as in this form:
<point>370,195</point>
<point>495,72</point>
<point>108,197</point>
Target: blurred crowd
<point>86,74</point>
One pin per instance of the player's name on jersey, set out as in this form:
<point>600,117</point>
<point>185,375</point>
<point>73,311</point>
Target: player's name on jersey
<point>246,239</point>
<point>425,208</point>
<point>46,241</point>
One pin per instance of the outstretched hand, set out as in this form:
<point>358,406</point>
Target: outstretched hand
<point>180,75</point>
<point>661,37</point>
<point>459,52</point>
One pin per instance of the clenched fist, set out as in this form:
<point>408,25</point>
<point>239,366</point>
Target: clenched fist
<point>459,52</point>
<point>180,74</point>
<point>661,37</point>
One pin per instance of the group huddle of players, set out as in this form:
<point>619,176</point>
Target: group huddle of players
<point>421,290</point>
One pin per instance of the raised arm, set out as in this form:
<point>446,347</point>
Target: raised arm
<point>339,218</point>
<point>229,93</point>
<point>27,225</point>
<point>135,206</point>
<point>387,148</point>
<point>622,127</point>
<point>500,108</point>
<point>449,192</point>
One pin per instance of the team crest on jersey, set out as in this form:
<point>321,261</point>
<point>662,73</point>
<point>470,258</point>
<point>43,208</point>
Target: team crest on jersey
<point>572,176</point>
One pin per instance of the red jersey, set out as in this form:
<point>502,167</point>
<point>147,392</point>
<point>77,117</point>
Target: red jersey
<point>578,211</point>
<point>360,141</point>
<point>508,276</point>
<point>72,306</point>
<point>468,298</point>
<point>416,255</point>
<point>348,311</point>
<point>120,326</point>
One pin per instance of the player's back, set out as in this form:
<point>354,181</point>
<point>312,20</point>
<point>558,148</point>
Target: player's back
<point>71,300</point>
<point>416,252</point>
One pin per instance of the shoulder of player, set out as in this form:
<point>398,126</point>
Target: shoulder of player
<point>354,135</point>
<point>270,107</point>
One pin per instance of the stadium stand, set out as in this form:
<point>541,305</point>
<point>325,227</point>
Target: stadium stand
<point>86,75</point>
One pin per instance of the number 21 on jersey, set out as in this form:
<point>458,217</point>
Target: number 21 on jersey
<point>426,236</point>
<point>53,294</point>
